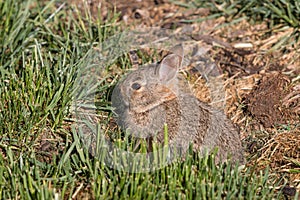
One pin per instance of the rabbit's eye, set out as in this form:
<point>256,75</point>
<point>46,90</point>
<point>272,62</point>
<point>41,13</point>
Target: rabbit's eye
<point>136,86</point>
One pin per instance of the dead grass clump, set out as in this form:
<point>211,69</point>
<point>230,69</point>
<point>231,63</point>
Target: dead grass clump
<point>282,154</point>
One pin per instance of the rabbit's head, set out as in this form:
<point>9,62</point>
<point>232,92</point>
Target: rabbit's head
<point>151,85</point>
<point>142,91</point>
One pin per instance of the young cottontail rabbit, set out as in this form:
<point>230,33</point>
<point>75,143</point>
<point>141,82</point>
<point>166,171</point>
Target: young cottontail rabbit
<point>157,94</point>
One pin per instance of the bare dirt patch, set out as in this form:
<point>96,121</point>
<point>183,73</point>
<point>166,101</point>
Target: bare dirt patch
<point>265,102</point>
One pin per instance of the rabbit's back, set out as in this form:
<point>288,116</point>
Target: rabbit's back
<point>221,134</point>
<point>191,121</point>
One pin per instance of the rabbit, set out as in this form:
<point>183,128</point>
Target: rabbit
<point>156,94</point>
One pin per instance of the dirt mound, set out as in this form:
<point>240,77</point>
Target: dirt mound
<point>267,103</point>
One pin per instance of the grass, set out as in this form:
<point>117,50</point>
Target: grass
<point>286,12</point>
<point>279,15</point>
<point>42,49</point>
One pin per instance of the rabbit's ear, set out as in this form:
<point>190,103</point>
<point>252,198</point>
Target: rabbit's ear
<point>178,50</point>
<point>168,67</point>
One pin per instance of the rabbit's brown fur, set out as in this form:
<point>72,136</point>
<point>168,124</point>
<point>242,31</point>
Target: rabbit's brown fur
<point>156,94</point>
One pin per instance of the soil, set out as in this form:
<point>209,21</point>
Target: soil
<point>266,101</point>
